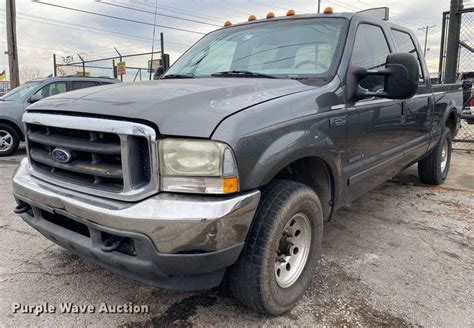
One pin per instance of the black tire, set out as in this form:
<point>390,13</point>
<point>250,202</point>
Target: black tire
<point>430,169</point>
<point>252,280</point>
<point>14,140</point>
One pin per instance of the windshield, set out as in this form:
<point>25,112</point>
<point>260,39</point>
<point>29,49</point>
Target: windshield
<point>296,48</point>
<point>20,92</point>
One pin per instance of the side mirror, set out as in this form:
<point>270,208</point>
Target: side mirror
<point>159,73</point>
<point>401,74</point>
<point>34,98</point>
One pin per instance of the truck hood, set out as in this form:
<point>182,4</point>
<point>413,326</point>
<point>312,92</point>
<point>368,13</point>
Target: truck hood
<point>184,107</point>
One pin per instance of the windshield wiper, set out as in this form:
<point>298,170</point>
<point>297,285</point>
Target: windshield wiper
<point>178,76</point>
<point>243,74</point>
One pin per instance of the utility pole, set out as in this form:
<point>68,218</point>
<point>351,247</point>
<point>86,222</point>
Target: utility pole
<point>12,45</point>
<point>153,42</point>
<point>426,29</point>
<point>319,6</point>
<point>452,51</point>
<point>162,47</point>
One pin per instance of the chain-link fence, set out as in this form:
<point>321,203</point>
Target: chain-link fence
<point>466,42</point>
<point>137,66</point>
<point>465,69</point>
<point>465,61</point>
<point>464,140</point>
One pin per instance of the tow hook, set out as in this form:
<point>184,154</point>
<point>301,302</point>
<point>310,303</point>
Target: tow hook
<point>22,208</point>
<point>112,244</point>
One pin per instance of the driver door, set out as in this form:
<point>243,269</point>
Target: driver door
<point>375,132</point>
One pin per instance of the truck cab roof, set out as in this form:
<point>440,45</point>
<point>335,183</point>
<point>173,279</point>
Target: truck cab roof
<point>364,15</point>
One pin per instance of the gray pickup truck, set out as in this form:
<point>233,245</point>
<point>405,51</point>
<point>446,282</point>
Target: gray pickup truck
<point>231,162</point>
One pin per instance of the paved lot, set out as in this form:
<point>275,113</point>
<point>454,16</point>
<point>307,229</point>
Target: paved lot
<point>401,255</point>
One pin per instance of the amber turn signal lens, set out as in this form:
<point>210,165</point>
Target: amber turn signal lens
<point>291,12</point>
<point>227,23</point>
<point>230,185</point>
<point>328,10</point>
<point>252,18</point>
<point>270,15</point>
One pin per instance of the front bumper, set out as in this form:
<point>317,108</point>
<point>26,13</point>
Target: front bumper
<point>181,241</point>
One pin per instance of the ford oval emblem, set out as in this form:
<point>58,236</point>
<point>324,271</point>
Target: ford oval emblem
<point>61,155</point>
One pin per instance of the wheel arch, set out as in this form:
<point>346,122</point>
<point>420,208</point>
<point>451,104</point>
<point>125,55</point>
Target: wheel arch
<point>314,171</point>
<point>14,126</point>
<point>451,121</point>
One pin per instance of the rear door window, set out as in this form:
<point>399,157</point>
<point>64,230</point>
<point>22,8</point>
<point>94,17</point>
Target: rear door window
<point>76,85</point>
<point>405,44</point>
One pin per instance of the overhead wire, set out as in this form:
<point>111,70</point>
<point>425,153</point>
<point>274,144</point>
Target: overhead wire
<point>157,14</point>
<point>116,17</point>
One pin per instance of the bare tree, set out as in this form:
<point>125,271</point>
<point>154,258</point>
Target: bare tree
<point>29,73</point>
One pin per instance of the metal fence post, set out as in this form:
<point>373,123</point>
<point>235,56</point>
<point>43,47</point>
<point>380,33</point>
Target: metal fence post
<point>55,70</point>
<point>454,31</point>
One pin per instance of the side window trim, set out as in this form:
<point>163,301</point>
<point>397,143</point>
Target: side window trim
<point>418,55</point>
<point>389,44</point>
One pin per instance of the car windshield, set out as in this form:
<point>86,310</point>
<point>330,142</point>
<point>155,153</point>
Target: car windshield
<point>20,92</point>
<point>293,48</point>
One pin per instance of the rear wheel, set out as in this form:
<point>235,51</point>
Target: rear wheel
<point>282,249</point>
<point>9,140</point>
<point>435,167</point>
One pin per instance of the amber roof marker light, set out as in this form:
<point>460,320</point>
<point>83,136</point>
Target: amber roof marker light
<point>227,23</point>
<point>290,12</point>
<point>270,15</point>
<point>328,10</point>
<point>252,18</point>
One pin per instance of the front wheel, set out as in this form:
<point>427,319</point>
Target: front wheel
<point>9,140</point>
<point>282,250</point>
<point>435,167</point>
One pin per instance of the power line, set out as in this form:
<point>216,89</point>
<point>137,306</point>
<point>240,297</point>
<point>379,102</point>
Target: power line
<point>277,7</point>
<point>157,14</point>
<point>227,8</point>
<point>178,10</point>
<point>76,27</point>
<point>116,17</point>
<point>63,24</point>
<point>359,9</point>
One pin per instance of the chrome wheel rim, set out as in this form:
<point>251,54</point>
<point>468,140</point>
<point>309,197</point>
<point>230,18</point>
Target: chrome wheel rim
<point>6,140</point>
<point>444,156</point>
<point>293,250</point>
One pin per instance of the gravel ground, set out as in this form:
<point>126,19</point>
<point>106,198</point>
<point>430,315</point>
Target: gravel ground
<point>402,255</point>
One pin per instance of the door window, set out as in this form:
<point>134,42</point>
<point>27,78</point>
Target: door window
<point>405,44</point>
<point>52,89</point>
<point>370,52</point>
<point>76,85</point>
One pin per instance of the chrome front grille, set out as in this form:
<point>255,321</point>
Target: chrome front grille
<point>109,158</point>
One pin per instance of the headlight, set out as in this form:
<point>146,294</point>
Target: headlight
<point>197,166</point>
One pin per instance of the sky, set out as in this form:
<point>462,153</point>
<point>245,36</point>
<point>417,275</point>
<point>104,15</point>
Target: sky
<point>44,30</point>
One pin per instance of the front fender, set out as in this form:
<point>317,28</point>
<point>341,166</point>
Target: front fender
<point>13,121</point>
<point>278,148</point>
<point>268,137</point>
